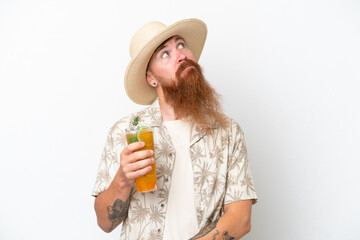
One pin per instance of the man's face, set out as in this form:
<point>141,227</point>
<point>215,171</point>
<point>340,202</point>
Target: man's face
<point>167,58</point>
<point>182,85</point>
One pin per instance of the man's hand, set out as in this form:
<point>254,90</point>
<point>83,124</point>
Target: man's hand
<point>134,164</point>
<point>111,206</point>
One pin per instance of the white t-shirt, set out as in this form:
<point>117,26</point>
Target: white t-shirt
<point>180,221</point>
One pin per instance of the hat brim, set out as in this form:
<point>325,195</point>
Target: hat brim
<point>194,33</point>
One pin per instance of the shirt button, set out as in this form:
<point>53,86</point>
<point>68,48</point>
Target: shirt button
<point>159,230</point>
<point>162,205</point>
<point>166,179</point>
<point>170,154</point>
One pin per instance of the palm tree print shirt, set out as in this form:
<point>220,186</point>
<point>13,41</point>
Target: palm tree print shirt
<point>220,170</point>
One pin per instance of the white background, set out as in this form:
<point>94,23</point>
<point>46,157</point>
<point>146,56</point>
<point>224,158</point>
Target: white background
<point>288,72</point>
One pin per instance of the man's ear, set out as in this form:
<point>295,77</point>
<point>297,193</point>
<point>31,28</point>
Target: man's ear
<point>149,77</point>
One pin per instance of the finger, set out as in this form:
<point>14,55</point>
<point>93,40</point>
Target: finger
<point>139,155</point>
<point>133,147</point>
<point>139,173</point>
<point>133,167</point>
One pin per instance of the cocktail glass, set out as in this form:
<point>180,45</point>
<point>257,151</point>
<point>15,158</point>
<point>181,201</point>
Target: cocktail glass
<point>147,182</point>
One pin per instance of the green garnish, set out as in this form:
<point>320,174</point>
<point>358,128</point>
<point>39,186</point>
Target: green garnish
<point>135,122</point>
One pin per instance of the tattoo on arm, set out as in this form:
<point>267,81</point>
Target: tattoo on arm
<point>118,212</point>
<point>205,230</point>
<point>226,236</point>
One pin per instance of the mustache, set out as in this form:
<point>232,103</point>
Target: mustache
<point>187,63</point>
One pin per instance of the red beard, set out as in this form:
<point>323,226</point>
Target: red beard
<point>192,96</point>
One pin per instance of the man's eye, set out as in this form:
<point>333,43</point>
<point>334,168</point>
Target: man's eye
<point>164,55</point>
<point>181,45</point>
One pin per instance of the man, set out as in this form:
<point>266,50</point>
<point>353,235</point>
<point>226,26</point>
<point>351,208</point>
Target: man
<point>204,184</point>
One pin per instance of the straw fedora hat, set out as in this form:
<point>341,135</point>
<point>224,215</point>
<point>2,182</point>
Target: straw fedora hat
<point>144,43</point>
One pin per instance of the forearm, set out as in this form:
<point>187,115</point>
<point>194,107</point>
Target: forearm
<point>111,206</point>
<point>232,225</point>
<point>224,228</point>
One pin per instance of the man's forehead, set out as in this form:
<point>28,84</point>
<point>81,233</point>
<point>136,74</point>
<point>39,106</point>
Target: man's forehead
<point>163,44</point>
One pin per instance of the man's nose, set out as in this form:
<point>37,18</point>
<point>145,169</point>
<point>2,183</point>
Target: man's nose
<point>180,56</point>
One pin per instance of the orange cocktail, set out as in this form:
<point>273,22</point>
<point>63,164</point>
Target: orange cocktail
<point>147,182</point>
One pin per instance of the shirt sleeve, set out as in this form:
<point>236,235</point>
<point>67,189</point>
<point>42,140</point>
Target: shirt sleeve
<point>240,184</point>
<point>110,160</point>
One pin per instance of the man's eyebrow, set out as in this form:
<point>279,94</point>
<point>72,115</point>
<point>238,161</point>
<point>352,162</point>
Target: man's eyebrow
<point>179,38</point>
<point>163,44</point>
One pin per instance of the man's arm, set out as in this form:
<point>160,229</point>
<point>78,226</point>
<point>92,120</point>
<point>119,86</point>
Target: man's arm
<point>111,206</point>
<point>232,225</point>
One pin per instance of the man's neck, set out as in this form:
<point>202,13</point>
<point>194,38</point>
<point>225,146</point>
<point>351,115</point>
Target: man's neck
<point>167,111</point>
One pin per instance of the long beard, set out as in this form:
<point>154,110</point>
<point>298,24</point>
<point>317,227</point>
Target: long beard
<point>192,96</point>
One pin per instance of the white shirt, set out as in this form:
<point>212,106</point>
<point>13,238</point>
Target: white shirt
<point>180,221</point>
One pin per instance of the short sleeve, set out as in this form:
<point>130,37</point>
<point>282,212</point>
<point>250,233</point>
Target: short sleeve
<point>110,159</point>
<point>240,184</point>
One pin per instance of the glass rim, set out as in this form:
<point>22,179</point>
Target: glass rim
<point>131,131</point>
